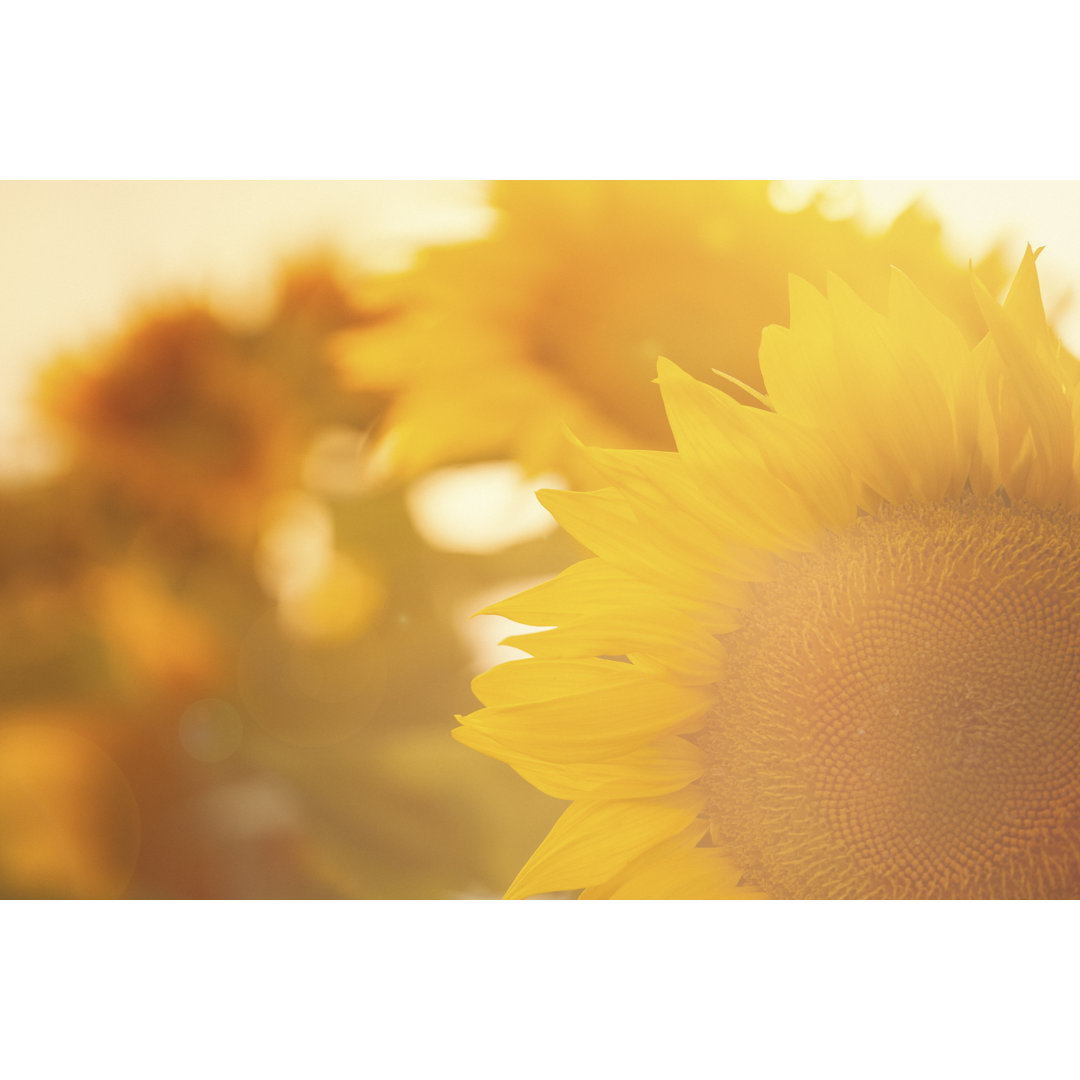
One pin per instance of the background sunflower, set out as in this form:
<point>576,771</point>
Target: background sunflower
<point>556,318</point>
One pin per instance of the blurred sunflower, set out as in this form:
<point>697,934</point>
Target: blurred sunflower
<point>166,414</point>
<point>204,613</point>
<point>557,317</point>
<point>849,618</point>
<point>202,421</point>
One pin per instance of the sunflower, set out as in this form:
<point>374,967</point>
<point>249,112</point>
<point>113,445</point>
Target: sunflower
<point>200,420</point>
<point>264,666</point>
<point>830,647</point>
<point>557,317</point>
<point>170,414</point>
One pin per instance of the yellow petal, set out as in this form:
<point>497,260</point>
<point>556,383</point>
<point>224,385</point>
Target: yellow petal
<point>597,610</point>
<point>606,524</point>
<point>798,364</point>
<point>713,534</point>
<point>661,767</point>
<point>591,841</point>
<point>698,874</point>
<point>593,725</point>
<point>594,585</point>
<point>1033,403</point>
<point>844,371</point>
<point>775,482</point>
<point>896,429</point>
<point>1024,303</point>
<point>682,651</point>
<point>519,681</point>
<point>686,840</point>
<point>938,345</point>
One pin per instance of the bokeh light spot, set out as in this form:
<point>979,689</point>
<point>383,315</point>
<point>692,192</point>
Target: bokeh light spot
<point>211,730</point>
<point>339,604</point>
<point>296,544</point>
<point>791,196</point>
<point>334,464</point>
<point>480,509</point>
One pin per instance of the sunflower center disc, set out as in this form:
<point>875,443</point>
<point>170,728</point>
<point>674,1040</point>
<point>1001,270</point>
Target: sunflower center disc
<point>902,716</point>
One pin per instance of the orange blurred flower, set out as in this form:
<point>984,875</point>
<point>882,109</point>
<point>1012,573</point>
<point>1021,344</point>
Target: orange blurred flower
<point>198,420</point>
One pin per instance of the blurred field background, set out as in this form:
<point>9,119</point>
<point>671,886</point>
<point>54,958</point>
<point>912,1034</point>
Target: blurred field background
<point>266,446</point>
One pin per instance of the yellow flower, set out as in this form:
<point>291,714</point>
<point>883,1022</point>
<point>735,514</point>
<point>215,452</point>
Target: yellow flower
<point>204,598</point>
<point>556,319</point>
<point>174,414</point>
<point>851,616</point>
<point>201,421</point>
